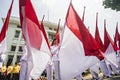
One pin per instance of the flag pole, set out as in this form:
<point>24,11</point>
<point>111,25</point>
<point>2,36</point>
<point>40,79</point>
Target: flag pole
<point>43,18</point>
<point>57,66</point>
<point>61,43</point>
<point>59,76</point>
<point>48,15</point>
<point>64,25</point>
<point>57,62</point>
<point>97,19</point>
<point>83,14</point>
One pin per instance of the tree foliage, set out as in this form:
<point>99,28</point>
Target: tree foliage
<point>113,4</point>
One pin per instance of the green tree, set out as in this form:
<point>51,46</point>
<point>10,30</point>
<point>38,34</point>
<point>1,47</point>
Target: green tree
<point>113,4</point>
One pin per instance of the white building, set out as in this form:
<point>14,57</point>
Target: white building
<point>15,39</point>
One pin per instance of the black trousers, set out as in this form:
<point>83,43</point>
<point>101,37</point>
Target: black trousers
<point>16,76</point>
<point>9,77</point>
<point>3,76</point>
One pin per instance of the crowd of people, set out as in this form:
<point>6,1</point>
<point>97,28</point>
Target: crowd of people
<point>10,72</point>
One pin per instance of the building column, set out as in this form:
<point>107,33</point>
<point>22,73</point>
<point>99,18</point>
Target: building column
<point>17,48</point>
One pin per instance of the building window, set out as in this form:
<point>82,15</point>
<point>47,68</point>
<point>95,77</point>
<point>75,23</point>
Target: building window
<point>20,49</point>
<point>51,36</point>
<point>55,29</point>
<point>17,33</point>
<point>18,58</point>
<point>50,28</point>
<point>13,48</point>
<point>10,58</point>
<point>18,26</point>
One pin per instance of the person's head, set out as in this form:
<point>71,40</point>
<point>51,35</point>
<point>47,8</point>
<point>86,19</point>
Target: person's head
<point>15,63</point>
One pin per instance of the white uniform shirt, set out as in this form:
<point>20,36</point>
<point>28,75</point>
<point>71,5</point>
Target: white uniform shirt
<point>54,51</point>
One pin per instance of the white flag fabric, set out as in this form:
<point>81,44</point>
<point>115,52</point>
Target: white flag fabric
<point>38,50</point>
<point>3,49</point>
<point>23,70</point>
<point>110,55</point>
<point>76,53</point>
<point>104,68</point>
<point>95,68</point>
<point>40,60</point>
<point>72,58</point>
<point>109,47</point>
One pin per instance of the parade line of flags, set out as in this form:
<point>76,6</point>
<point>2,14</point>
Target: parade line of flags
<point>78,50</point>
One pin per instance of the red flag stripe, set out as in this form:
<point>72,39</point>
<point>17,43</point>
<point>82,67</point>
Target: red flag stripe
<point>75,24</point>
<point>97,35</point>
<point>57,35</point>
<point>119,41</point>
<point>5,26</point>
<point>117,36</point>
<point>44,33</point>
<point>35,36</point>
<point>107,39</point>
<point>22,2</point>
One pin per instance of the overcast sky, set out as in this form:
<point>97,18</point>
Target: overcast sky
<point>57,9</point>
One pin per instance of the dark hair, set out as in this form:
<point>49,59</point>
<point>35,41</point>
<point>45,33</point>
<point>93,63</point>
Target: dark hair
<point>15,63</point>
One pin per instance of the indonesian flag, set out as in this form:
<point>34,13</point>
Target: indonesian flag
<point>119,41</point>
<point>3,45</point>
<point>83,14</point>
<point>44,33</point>
<point>78,50</point>
<point>95,68</point>
<point>38,50</point>
<point>109,47</point>
<point>57,35</point>
<point>97,35</point>
<point>107,40</point>
<point>117,37</point>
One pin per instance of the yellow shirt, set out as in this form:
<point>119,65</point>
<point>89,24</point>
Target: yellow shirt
<point>16,69</point>
<point>3,69</point>
<point>9,69</point>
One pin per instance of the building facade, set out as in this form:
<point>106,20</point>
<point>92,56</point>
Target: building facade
<point>15,39</point>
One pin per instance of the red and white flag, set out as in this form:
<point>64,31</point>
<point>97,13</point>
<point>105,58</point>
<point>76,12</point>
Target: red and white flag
<point>44,32</point>
<point>79,49</point>
<point>3,46</point>
<point>57,35</point>
<point>95,68</point>
<point>97,35</point>
<point>109,47</point>
<point>38,50</point>
<point>108,40</point>
<point>117,37</point>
